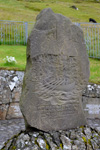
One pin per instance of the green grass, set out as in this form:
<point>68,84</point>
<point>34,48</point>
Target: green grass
<point>19,52</point>
<point>94,70</point>
<point>27,10</point>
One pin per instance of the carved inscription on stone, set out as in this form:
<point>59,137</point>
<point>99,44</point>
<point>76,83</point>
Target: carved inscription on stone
<point>61,110</point>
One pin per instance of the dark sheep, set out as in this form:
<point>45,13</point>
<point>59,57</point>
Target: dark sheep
<point>74,7</point>
<point>92,20</point>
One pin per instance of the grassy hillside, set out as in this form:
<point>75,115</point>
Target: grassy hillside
<point>27,10</point>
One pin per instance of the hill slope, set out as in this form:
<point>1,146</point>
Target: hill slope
<point>27,10</point>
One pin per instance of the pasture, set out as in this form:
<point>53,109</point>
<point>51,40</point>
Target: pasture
<point>27,10</point>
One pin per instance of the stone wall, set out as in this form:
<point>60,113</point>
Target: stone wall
<point>10,91</point>
<point>91,101</point>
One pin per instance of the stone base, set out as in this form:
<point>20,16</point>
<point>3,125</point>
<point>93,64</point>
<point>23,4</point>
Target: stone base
<point>83,138</point>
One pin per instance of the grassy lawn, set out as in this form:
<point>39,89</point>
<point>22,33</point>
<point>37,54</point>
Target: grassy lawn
<point>94,71</point>
<point>19,52</point>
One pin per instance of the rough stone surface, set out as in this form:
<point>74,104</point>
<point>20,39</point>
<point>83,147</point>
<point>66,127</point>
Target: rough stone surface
<point>3,111</point>
<point>14,111</point>
<point>92,91</point>
<point>5,93</point>
<point>9,128</point>
<point>10,91</point>
<point>57,71</point>
<point>39,140</point>
<point>91,101</point>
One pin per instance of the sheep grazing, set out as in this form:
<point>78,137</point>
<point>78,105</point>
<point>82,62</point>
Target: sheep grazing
<point>74,7</point>
<point>92,20</point>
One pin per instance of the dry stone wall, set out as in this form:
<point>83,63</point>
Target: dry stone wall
<point>91,101</point>
<point>10,91</point>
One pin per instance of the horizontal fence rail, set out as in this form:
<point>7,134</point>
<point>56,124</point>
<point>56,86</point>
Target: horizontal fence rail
<point>17,32</point>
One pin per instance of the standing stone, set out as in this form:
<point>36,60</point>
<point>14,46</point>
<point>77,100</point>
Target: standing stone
<point>56,73</point>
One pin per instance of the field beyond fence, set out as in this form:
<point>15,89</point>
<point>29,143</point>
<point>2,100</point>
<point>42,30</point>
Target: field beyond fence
<point>17,32</point>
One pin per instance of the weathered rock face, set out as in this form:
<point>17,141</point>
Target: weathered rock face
<point>57,71</point>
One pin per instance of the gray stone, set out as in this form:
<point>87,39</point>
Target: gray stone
<point>12,85</point>
<point>26,141</point>
<point>26,137</point>
<point>57,71</point>
<point>5,93</point>
<point>20,75</point>
<point>92,91</point>
<point>35,134</point>
<point>16,94</point>
<point>73,135</point>
<point>35,147</point>
<point>98,130</point>
<point>89,147</point>
<point>91,107</point>
<point>66,142</point>
<point>56,137</point>
<point>27,148</point>
<point>1,146</point>
<point>50,141</point>
<point>9,128</point>
<point>87,132</point>
<point>74,147</point>
<point>3,111</point>
<point>94,145</point>
<point>23,142</point>
<point>14,111</point>
<point>41,143</point>
<point>80,143</point>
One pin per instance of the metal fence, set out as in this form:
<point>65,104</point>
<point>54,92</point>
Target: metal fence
<point>16,33</point>
<point>92,38</point>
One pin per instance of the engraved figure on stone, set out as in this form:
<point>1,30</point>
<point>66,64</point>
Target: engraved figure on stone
<point>53,79</point>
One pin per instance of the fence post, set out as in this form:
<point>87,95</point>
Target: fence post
<point>78,24</point>
<point>26,31</point>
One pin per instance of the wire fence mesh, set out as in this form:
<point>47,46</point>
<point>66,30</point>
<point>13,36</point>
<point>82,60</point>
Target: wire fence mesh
<point>92,38</point>
<point>14,32</point>
<point>17,32</point>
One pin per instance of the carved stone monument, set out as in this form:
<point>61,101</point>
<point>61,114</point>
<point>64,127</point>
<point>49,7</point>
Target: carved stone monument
<point>56,73</point>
